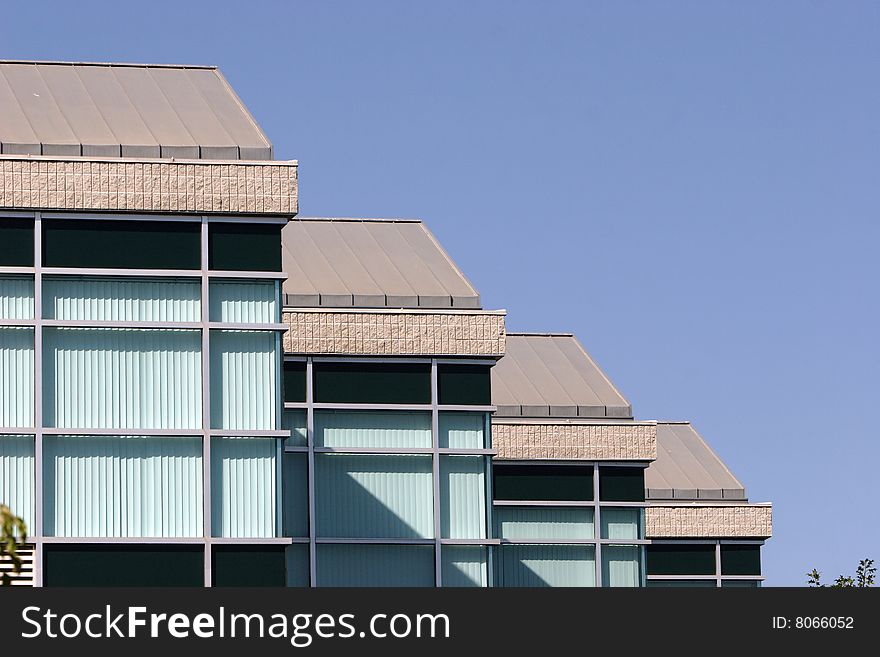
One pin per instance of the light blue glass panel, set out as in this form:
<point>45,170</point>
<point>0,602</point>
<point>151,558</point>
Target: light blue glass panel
<point>17,477</point>
<point>122,486</point>
<point>392,429</point>
<point>122,299</point>
<point>546,565</point>
<point>122,379</point>
<point>462,430</point>
<point>463,496</point>
<point>621,565</point>
<point>464,565</point>
<point>297,565</point>
<point>16,297</point>
<point>543,523</point>
<point>243,302</point>
<point>621,524</point>
<point>243,496</point>
<point>16,377</point>
<point>295,488</point>
<point>295,422</point>
<point>244,380</point>
<point>373,496</point>
<point>375,565</point>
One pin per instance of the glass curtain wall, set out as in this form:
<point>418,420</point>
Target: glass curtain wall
<point>704,563</point>
<point>140,386</point>
<point>385,485</point>
<point>568,524</point>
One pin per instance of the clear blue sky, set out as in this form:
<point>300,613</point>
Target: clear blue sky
<point>690,187</point>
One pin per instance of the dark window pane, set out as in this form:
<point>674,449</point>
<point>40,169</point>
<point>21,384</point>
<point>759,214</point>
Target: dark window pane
<point>248,565</point>
<point>373,383</point>
<point>681,584</point>
<point>294,381</point>
<point>244,246</point>
<point>132,565</point>
<point>740,559</point>
<point>297,565</point>
<point>16,242</point>
<point>622,484</point>
<point>543,482</point>
<point>740,584</point>
<point>120,244</point>
<point>464,384</point>
<point>695,559</point>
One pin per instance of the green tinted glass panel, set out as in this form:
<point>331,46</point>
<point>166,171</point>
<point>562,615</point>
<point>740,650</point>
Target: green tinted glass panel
<point>740,559</point>
<point>543,482</point>
<point>622,484</point>
<point>122,244</point>
<point>740,584</point>
<point>464,384</point>
<point>297,565</point>
<point>16,242</point>
<point>244,246</point>
<point>375,565</point>
<point>113,565</point>
<point>681,584</point>
<point>295,488</point>
<point>294,381</point>
<point>248,565</point>
<point>373,383</point>
<point>681,559</point>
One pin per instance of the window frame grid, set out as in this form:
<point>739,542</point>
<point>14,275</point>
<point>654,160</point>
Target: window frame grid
<point>204,275</point>
<point>718,578</point>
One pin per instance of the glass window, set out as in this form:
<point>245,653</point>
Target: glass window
<point>244,376</point>
<point>17,477</point>
<point>297,564</point>
<point>95,298</point>
<point>545,565</point>
<point>243,302</point>
<point>621,565</point>
<point>129,565</point>
<point>681,583</point>
<point>244,246</point>
<point>391,429</point>
<point>621,484</point>
<point>122,378</point>
<point>16,297</point>
<point>543,482</point>
<point>463,430</point>
<point>295,488</point>
<point>122,244</point>
<point>16,377</point>
<point>374,496</point>
<point>294,381</point>
<point>243,484</point>
<point>248,565</point>
<point>294,420</point>
<point>16,242</point>
<point>621,524</point>
<point>375,565</point>
<point>464,565</point>
<point>463,496</point>
<point>122,486</point>
<point>740,559</point>
<point>740,583</point>
<point>681,559</point>
<point>543,523</point>
<point>464,384</point>
<point>372,383</point>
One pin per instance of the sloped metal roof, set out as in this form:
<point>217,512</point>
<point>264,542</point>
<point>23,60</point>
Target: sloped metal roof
<point>687,469</point>
<point>124,110</point>
<point>370,263</point>
<point>551,375</point>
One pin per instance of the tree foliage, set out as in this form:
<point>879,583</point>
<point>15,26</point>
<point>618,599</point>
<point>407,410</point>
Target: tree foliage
<point>13,533</point>
<point>864,577</point>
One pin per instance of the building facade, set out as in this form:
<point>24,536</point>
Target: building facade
<point>199,387</point>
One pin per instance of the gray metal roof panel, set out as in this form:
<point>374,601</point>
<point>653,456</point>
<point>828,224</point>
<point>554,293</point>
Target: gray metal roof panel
<point>64,108</point>
<point>552,375</point>
<point>686,468</point>
<point>370,263</point>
